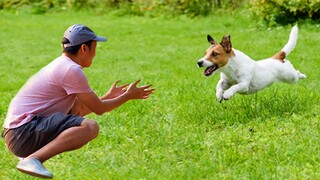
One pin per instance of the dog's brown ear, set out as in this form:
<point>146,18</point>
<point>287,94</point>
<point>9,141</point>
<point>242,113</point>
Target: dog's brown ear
<point>226,43</point>
<point>211,40</point>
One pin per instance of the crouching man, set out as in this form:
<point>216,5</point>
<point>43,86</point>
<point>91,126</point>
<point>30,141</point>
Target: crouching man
<point>46,117</point>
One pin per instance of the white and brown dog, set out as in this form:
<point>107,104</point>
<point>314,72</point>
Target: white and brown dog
<point>240,74</point>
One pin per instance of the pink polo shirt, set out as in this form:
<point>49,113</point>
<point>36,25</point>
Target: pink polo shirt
<point>50,90</point>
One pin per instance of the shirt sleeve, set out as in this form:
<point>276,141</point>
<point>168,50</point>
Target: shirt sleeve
<point>75,81</point>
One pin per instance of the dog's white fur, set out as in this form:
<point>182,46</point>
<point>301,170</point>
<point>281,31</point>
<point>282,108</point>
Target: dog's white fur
<point>240,74</point>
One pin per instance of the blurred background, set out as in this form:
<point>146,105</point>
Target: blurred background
<point>266,12</point>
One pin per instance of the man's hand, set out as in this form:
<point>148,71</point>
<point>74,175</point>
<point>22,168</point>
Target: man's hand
<point>115,91</point>
<point>116,96</point>
<point>142,92</point>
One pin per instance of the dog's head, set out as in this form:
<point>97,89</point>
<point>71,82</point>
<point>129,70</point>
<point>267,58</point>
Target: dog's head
<point>217,55</point>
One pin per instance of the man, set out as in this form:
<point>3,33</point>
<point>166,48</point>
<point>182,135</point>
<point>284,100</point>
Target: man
<point>46,117</point>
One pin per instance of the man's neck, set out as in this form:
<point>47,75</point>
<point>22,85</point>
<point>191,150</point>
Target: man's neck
<point>72,57</point>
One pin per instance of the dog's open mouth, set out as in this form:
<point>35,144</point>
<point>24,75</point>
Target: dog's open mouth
<point>209,70</point>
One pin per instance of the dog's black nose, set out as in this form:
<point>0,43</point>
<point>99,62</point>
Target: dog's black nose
<point>200,63</point>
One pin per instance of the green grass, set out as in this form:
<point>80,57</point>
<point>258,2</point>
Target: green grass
<point>181,132</point>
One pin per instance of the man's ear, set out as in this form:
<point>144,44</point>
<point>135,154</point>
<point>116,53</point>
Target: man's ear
<point>83,47</point>
<point>226,43</point>
<point>211,40</point>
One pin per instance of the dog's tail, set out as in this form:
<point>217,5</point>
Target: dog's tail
<point>292,41</point>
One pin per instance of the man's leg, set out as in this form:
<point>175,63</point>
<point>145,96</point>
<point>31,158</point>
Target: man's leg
<point>70,139</point>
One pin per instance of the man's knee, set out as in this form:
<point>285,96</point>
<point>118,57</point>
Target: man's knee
<point>91,126</point>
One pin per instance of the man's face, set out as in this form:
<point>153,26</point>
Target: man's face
<point>91,52</point>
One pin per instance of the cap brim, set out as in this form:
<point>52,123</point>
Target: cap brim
<point>100,38</point>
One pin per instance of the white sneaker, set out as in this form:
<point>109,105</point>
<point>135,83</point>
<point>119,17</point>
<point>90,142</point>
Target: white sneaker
<point>34,167</point>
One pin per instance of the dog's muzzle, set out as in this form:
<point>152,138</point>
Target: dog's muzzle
<point>203,62</point>
<point>200,63</point>
<point>210,66</point>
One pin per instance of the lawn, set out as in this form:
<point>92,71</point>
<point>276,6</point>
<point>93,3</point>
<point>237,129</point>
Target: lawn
<point>181,131</point>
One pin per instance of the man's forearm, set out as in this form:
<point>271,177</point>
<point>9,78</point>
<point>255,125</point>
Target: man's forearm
<point>113,103</point>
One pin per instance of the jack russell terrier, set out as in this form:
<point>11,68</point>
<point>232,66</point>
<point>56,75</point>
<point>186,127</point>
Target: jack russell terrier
<point>240,74</point>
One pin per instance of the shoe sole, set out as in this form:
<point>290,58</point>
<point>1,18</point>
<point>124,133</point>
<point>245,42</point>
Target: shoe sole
<point>35,174</point>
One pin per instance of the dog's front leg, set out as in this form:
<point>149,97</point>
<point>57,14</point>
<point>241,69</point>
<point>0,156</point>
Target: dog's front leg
<point>240,87</point>
<point>219,91</point>
<point>222,85</point>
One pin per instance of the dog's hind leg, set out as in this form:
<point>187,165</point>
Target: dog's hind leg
<point>300,75</point>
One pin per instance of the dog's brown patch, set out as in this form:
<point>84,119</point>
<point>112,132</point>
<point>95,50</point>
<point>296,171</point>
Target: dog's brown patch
<point>280,56</point>
<point>217,55</point>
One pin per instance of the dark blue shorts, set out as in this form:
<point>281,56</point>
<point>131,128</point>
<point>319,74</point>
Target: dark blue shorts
<point>30,137</point>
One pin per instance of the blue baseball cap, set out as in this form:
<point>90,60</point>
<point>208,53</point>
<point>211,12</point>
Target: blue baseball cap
<point>78,34</point>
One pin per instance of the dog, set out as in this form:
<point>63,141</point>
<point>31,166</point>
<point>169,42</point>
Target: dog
<point>240,74</point>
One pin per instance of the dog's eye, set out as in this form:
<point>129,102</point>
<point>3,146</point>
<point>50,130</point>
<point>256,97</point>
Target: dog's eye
<point>214,54</point>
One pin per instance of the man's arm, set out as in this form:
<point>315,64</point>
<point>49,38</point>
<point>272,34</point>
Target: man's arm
<point>90,102</point>
<point>80,109</point>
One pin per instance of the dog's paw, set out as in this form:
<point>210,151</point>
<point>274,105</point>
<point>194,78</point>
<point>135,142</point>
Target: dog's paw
<point>219,97</point>
<point>301,76</point>
<point>227,95</point>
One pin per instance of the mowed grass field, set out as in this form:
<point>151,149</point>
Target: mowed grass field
<point>181,131</point>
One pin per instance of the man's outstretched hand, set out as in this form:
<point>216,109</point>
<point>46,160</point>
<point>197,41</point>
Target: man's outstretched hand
<point>142,92</point>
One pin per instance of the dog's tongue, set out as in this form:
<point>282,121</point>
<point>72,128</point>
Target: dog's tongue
<point>209,70</point>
